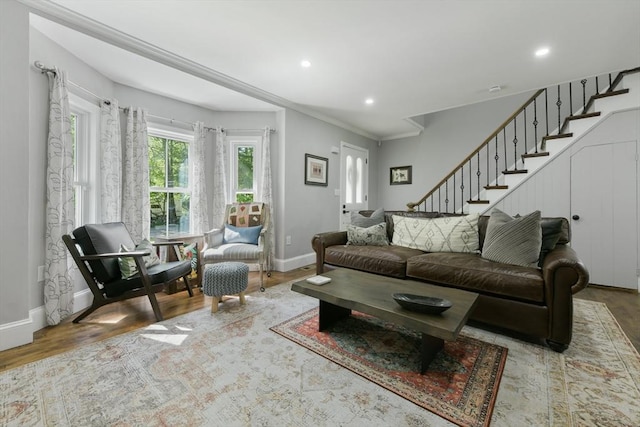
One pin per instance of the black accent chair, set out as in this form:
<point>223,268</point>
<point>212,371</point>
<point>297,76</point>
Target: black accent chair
<point>97,258</point>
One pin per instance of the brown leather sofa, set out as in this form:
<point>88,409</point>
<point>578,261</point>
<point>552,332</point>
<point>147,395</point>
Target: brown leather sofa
<point>531,301</point>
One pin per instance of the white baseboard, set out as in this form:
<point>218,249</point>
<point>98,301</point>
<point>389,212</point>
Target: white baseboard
<point>293,263</point>
<point>19,333</point>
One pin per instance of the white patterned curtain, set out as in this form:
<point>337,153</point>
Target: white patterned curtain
<point>199,211</point>
<point>219,180</point>
<point>110,162</point>
<point>267,191</point>
<point>60,210</point>
<point>136,205</point>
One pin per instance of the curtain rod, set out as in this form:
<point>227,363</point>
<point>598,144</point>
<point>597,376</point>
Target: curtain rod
<point>44,69</point>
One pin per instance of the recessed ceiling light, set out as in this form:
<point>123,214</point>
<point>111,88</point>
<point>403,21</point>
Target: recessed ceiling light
<point>369,101</point>
<point>305,63</point>
<point>542,51</point>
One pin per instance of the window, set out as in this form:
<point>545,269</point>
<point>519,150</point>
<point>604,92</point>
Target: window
<point>84,133</point>
<point>169,187</point>
<point>246,164</point>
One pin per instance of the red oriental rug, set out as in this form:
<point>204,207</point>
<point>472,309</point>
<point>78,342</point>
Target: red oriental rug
<point>460,385</point>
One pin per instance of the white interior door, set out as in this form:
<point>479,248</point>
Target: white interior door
<point>354,179</point>
<point>604,211</point>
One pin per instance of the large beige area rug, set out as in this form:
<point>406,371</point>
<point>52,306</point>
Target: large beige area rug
<point>229,369</point>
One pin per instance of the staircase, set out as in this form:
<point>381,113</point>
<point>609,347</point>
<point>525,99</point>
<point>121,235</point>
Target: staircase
<point>515,152</point>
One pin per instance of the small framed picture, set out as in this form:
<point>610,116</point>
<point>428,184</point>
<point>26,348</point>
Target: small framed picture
<point>315,170</point>
<point>400,175</point>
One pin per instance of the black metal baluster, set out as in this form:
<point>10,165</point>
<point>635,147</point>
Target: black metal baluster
<point>497,159</point>
<point>488,173</point>
<point>446,196</point>
<point>597,89</point>
<point>478,173</point>
<point>535,123</point>
<point>425,208</point>
<point>584,95</point>
<point>570,100</point>
<point>454,193</point>
<point>504,143</point>
<point>525,132</point>
<point>610,83</point>
<point>546,110</point>
<point>559,103</point>
<point>515,145</point>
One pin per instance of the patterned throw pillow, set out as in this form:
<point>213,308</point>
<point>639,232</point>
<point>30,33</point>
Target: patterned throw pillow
<point>448,234</point>
<point>376,235</point>
<point>128,266</point>
<point>245,215</point>
<point>515,241</point>
<point>360,220</point>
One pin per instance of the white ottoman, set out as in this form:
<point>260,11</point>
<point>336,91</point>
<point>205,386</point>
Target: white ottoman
<point>225,278</point>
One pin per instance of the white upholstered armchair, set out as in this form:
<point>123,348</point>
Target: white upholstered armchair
<point>242,238</point>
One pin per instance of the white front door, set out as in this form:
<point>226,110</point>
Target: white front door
<point>604,211</point>
<point>354,178</point>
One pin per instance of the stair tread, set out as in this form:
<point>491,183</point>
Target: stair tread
<point>539,154</point>
<point>478,202</point>
<point>562,135</point>
<point>513,172</point>
<point>496,187</point>
<point>583,116</point>
<point>612,93</point>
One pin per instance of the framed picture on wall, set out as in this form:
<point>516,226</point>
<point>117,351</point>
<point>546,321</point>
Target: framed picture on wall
<point>315,170</point>
<point>400,175</point>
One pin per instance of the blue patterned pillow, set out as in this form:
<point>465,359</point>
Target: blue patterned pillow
<point>241,234</point>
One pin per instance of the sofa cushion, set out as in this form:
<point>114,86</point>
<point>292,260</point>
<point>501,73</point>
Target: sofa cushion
<point>376,235</point>
<point>447,234</point>
<point>514,241</point>
<point>473,273</point>
<point>386,260</point>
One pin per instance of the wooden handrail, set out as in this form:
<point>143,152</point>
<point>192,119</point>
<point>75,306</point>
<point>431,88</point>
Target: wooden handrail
<point>412,205</point>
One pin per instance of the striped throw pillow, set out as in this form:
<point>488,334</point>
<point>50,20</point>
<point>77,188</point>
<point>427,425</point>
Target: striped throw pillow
<point>515,241</point>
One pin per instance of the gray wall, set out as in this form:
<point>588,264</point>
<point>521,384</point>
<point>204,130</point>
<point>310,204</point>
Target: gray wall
<point>448,138</point>
<point>14,168</point>
<point>310,209</point>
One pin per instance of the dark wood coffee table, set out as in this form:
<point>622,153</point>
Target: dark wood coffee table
<point>372,294</point>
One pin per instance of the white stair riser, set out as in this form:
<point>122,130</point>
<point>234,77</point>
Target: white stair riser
<point>533,163</point>
<point>580,126</point>
<point>614,103</point>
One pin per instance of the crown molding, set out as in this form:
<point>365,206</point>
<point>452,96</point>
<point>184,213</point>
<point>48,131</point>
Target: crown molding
<point>107,34</point>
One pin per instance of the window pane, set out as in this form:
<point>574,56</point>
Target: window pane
<point>244,197</point>
<point>245,168</point>
<point>158,213</point>
<point>157,162</point>
<point>348,197</point>
<point>179,205</point>
<point>178,169</point>
<point>359,180</point>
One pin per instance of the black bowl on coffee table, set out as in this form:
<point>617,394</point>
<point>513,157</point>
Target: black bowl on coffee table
<point>422,304</point>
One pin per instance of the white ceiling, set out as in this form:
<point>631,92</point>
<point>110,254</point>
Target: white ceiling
<point>413,57</point>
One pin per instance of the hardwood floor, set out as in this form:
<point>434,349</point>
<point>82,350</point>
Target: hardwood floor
<point>132,314</point>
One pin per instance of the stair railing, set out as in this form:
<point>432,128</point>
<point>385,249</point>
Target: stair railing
<point>523,135</point>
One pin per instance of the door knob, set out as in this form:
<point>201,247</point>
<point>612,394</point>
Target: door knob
<point>576,217</point>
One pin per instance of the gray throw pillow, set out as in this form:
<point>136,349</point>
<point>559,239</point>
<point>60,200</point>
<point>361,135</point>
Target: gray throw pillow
<point>376,235</point>
<point>360,220</point>
<point>515,241</point>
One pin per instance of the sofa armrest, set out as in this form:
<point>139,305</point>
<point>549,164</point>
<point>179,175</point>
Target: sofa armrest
<point>321,241</point>
<point>564,275</point>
